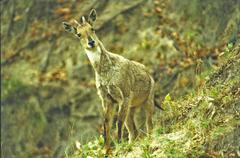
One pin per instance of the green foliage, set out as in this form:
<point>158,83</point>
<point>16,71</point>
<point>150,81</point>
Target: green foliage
<point>167,98</point>
<point>91,149</point>
<point>160,130</point>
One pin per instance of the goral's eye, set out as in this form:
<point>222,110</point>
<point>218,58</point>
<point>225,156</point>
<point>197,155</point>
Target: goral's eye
<point>79,34</point>
<point>92,29</point>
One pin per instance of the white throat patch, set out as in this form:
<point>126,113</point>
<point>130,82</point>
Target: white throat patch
<point>94,56</point>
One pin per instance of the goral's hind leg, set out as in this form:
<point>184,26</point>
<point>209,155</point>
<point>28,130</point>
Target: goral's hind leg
<point>130,124</point>
<point>149,109</point>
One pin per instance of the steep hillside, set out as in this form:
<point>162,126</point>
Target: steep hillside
<point>204,124</point>
<point>48,96</point>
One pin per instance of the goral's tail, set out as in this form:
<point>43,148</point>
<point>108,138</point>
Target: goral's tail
<point>156,104</point>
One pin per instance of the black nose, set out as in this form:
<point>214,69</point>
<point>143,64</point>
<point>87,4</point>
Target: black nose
<point>91,43</point>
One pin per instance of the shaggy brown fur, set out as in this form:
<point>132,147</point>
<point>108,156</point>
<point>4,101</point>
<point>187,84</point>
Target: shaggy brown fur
<point>120,82</point>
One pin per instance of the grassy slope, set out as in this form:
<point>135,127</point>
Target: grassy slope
<point>201,124</point>
<point>52,119</point>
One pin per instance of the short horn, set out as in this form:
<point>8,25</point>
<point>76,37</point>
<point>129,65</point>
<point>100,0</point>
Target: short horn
<point>76,22</point>
<point>83,20</point>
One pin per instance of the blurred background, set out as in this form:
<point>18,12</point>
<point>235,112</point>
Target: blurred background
<point>48,95</point>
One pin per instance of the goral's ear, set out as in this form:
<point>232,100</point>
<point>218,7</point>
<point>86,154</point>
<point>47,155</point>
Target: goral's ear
<point>69,28</point>
<point>92,16</point>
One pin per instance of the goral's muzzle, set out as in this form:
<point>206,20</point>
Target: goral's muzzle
<point>91,43</point>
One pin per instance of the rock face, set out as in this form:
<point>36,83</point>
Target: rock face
<point>48,98</point>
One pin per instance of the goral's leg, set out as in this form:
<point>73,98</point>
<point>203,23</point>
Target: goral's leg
<point>122,113</point>
<point>130,124</point>
<point>149,114</point>
<point>108,117</point>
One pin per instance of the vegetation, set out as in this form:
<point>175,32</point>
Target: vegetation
<point>49,104</point>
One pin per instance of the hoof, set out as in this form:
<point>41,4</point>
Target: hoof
<point>107,151</point>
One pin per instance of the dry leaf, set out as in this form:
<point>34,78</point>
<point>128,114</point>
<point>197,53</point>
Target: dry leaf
<point>61,11</point>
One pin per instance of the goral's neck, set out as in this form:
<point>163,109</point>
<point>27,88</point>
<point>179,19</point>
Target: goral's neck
<point>94,56</point>
<point>99,58</point>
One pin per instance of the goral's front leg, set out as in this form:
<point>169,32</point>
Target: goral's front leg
<point>107,124</point>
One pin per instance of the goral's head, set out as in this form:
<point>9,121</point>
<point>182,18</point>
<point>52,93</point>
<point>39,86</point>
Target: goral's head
<point>84,31</point>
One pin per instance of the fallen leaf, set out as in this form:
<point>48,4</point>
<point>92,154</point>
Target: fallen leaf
<point>62,11</point>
